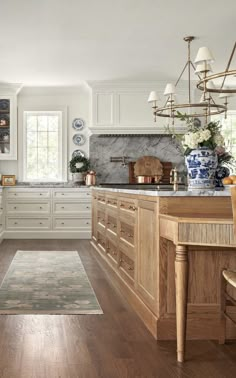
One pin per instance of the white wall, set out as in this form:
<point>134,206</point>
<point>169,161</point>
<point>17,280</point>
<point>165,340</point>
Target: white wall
<point>76,100</point>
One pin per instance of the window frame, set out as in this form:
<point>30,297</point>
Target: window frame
<point>62,146</point>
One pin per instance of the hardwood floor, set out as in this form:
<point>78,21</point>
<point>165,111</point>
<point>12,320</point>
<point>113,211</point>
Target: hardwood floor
<point>113,345</point>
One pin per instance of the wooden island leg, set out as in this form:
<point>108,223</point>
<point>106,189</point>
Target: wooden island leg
<point>181,289</point>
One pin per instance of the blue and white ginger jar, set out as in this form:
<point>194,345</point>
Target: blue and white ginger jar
<point>201,164</point>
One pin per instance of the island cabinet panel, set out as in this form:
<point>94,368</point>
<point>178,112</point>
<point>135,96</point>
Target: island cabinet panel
<point>140,248</point>
<point>147,253</point>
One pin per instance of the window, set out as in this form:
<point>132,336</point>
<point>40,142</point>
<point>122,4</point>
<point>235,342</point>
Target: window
<point>43,149</point>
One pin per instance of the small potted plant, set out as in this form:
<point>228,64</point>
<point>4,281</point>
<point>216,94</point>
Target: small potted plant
<point>78,166</point>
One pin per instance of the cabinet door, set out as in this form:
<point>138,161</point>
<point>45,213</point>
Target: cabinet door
<point>146,272</point>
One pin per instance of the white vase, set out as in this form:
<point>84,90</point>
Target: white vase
<point>78,177</point>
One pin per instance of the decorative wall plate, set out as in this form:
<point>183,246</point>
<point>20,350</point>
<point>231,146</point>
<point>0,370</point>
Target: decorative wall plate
<point>79,139</point>
<point>78,124</point>
<point>78,153</point>
<point>5,105</point>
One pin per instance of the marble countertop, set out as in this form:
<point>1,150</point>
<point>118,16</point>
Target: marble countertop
<point>47,185</point>
<point>169,193</point>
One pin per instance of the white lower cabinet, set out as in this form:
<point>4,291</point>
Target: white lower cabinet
<point>47,213</point>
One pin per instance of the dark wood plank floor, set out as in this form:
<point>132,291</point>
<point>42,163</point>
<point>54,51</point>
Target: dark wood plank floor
<point>113,345</point>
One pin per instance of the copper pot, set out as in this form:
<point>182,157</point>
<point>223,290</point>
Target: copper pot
<point>144,179</point>
<point>90,178</point>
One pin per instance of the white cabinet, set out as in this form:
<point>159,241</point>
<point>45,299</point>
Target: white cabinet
<point>48,213</point>
<point>122,108</point>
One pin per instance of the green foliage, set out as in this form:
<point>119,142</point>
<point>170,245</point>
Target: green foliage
<point>79,159</point>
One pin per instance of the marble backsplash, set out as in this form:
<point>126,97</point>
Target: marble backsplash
<point>103,147</point>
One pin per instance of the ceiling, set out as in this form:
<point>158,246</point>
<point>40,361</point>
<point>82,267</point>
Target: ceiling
<point>51,42</point>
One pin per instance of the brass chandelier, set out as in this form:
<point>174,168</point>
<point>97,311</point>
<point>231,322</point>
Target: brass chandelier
<point>206,84</point>
<point>205,108</point>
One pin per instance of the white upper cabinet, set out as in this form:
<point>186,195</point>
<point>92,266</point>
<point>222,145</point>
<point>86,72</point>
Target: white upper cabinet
<point>8,121</point>
<point>122,107</point>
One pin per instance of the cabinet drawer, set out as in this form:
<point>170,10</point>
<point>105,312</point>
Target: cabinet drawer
<point>112,252</point>
<point>128,206</point>
<point>71,207</point>
<point>27,193</point>
<point>127,249</point>
<point>126,267</point>
<point>70,193</point>
<point>101,240</point>
<point>27,208</point>
<point>111,223</point>
<point>71,223</point>
<point>127,232</point>
<point>27,223</point>
<point>112,202</point>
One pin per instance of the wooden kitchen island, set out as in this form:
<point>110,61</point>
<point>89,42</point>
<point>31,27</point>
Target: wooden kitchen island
<point>133,232</point>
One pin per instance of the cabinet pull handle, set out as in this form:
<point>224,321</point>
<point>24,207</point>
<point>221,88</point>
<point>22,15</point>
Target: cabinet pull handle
<point>62,194</point>
<point>62,223</point>
<point>40,194</point>
<point>15,194</point>
<point>129,268</point>
<point>40,207</point>
<point>87,207</point>
<point>95,197</point>
<point>114,226</point>
<point>122,205</point>
<point>130,235</point>
<point>87,222</point>
<point>14,207</point>
<point>63,207</point>
<point>40,223</point>
<point>15,223</point>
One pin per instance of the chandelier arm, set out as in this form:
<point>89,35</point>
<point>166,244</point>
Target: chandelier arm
<point>181,74</point>
<point>228,65</point>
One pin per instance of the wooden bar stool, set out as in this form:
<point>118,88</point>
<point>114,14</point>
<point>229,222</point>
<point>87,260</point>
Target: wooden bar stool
<point>228,278</point>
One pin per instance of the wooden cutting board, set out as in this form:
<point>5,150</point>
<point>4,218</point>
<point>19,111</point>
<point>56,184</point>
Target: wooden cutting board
<point>148,166</point>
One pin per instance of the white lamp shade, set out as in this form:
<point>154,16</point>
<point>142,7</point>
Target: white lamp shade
<point>169,89</point>
<point>153,97</point>
<point>202,67</point>
<point>204,55</point>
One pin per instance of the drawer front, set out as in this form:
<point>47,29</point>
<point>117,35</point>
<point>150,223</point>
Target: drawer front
<point>71,223</point>
<point>127,249</point>
<point>72,194</point>
<point>111,223</point>
<point>27,223</point>
<point>71,207</point>
<point>126,267</point>
<point>27,208</point>
<point>101,217</point>
<point>112,252</point>
<point>28,194</point>
<point>127,232</point>
<point>101,240</point>
<point>112,202</point>
<point>128,206</point>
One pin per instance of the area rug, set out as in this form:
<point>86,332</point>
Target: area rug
<point>47,282</point>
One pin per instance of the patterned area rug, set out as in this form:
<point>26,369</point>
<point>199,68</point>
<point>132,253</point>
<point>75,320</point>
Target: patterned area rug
<point>47,282</point>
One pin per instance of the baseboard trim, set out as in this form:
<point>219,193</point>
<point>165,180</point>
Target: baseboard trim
<point>146,315</point>
<point>46,234</point>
